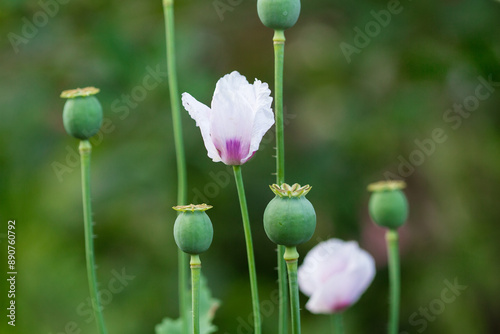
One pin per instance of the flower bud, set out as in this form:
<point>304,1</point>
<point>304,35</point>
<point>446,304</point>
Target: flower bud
<point>289,219</point>
<point>388,205</point>
<point>278,14</point>
<point>193,231</point>
<point>82,114</point>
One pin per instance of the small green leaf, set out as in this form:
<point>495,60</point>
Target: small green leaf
<point>208,307</point>
<point>169,326</point>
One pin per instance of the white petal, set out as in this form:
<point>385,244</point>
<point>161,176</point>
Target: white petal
<point>233,81</point>
<point>325,301</point>
<point>201,114</point>
<point>363,269</point>
<point>331,296</point>
<point>353,282</point>
<point>264,116</point>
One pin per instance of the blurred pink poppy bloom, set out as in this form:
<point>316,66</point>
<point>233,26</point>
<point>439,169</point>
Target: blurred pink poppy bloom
<point>334,275</point>
<point>240,115</point>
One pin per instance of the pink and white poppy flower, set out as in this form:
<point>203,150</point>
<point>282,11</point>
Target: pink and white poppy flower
<point>334,275</point>
<point>240,115</point>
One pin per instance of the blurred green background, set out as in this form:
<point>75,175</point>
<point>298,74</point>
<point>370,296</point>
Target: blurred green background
<point>348,124</point>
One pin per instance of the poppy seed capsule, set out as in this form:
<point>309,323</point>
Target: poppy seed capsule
<point>278,14</point>
<point>388,206</point>
<point>193,231</point>
<point>289,219</point>
<point>82,114</point>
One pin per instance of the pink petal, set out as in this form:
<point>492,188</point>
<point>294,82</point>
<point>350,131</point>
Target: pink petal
<point>335,274</point>
<point>239,116</point>
<point>232,119</point>
<point>324,259</point>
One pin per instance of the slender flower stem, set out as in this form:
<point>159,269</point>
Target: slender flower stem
<point>168,11</point>
<point>195,283</point>
<point>168,7</point>
<point>394,279</point>
<point>283,292</point>
<point>85,151</point>
<point>183,290</point>
<point>279,53</point>
<point>337,323</point>
<point>291,257</point>
<point>249,244</point>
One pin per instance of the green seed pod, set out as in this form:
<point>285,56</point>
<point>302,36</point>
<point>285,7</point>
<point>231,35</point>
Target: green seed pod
<point>193,231</point>
<point>289,219</point>
<point>388,205</point>
<point>82,114</point>
<point>278,14</point>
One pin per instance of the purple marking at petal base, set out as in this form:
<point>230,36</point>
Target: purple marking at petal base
<point>341,307</point>
<point>234,155</point>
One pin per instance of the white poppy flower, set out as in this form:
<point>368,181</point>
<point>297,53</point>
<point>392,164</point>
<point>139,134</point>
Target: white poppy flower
<point>240,115</point>
<point>334,275</point>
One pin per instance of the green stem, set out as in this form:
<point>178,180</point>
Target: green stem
<point>283,292</point>
<point>337,323</point>
<point>291,257</point>
<point>168,7</point>
<point>182,260</point>
<point>85,151</point>
<point>394,279</point>
<point>249,244</point>
<point>279,53</point>
<point>195,282</point>
<point>168,11</point>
